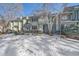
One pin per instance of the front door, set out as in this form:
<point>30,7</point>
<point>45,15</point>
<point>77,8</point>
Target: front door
<point>45,28</point>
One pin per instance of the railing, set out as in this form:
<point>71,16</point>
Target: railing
<point>73,28</point>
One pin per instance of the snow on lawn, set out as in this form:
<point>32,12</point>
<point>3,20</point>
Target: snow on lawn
<point>37,45</point>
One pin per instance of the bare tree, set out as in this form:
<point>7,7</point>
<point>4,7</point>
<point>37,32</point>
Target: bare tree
<point>9,11</point>
<point>12,10</point>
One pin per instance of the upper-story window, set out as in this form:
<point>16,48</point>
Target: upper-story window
<point>34,19</point>
<point>64,17</point>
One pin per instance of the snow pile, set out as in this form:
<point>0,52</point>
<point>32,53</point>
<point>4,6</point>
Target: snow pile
<point>37,45</point>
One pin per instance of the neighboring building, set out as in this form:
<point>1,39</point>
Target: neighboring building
<point>73,11</point>
<point>70,19</point>
<point>70,15</point>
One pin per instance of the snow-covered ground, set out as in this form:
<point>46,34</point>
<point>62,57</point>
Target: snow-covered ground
<point>37,45</point>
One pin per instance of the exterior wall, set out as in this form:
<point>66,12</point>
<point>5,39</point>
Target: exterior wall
<point>32,25</point>
<point>40,28</point>
<point>50,25</point>
<point>11,26</point>
<point>20,25</point>
<point>40,22</point>
<point>44,24</point>
<point>15,26</point>
<point>24,21</point>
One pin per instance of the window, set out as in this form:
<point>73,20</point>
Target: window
<point>34,27</point>
<point>34,19</point>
